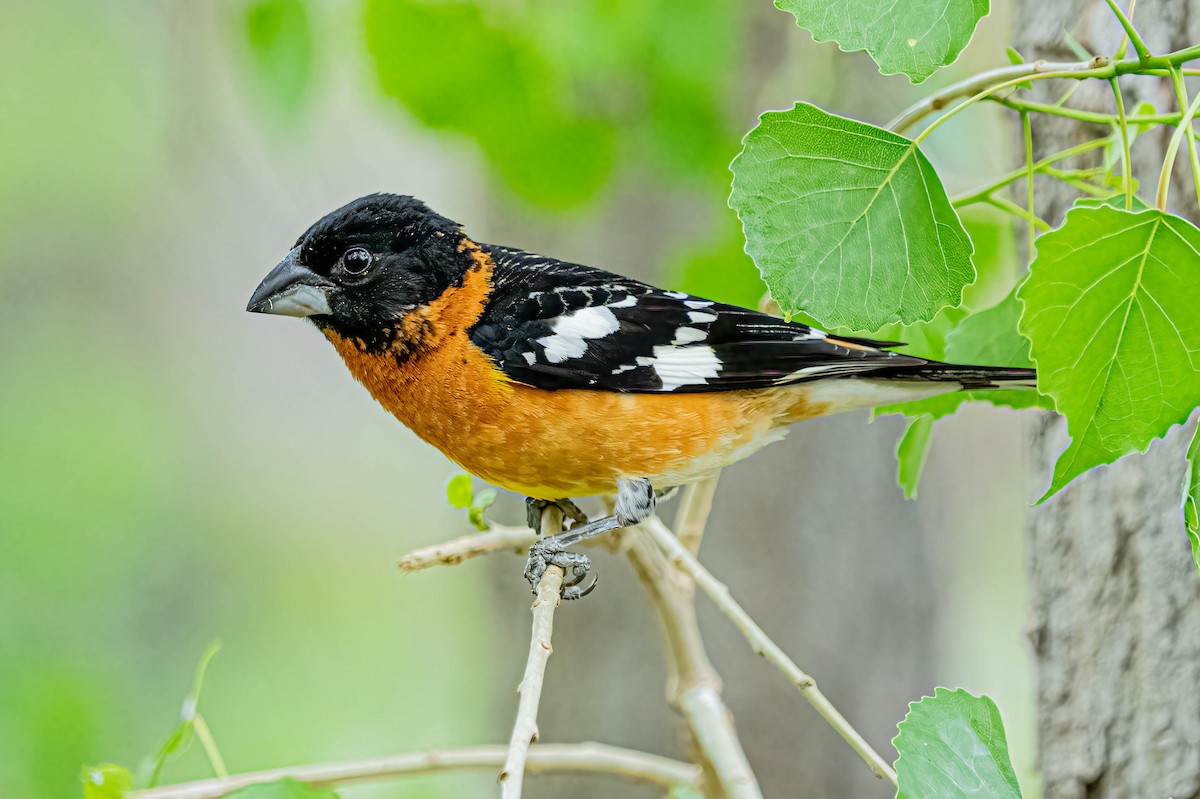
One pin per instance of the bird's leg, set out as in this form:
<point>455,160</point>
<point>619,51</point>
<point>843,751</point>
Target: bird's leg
<point>635,504</point>
<point>535,507</point>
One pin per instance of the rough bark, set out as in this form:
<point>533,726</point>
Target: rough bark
<point>1115,601</point>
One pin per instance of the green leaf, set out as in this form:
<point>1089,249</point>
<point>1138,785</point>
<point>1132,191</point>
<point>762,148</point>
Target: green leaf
<point>460,492</point>
<point>1112,307</point>
<point>990,337</point>
<point>848,222</point>
<point>911,451</point>
<point>1191,497</point>
<point>106,781</point>
<point>952,745</point>
<point>286,788</point>
<point>1014,58</point>
<point>915,37</point>
<point>279,39</point>
<point>483,500</point>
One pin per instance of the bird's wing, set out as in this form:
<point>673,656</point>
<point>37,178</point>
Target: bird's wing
<point>557,325</point>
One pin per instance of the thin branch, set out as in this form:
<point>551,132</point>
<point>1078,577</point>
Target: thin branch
<point>981,194</point>
<point>763,645</point>
<point>1135,38</point>
<point>582,757</point>
<point>693,686</point>
<point>975,84</point>
<point>993,80</point>
<point>450,553</point>
<point>1181,96</point>
<point>694,507</point>
<point>525,729</point>
<point>1093,117</point>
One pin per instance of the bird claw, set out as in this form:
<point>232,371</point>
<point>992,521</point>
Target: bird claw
<point>549,552</point>
<point>535,507</point>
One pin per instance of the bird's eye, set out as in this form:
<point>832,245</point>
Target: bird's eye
<point>357,260</point>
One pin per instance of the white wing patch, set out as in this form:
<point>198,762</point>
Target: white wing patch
<point>682,366</point>
<point>572,331</point>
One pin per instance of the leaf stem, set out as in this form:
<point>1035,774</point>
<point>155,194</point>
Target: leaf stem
<point>1185,124</point>
<point>1010,207</point>
<point>1190,132</point>
<point>210,746</point>
<point>1135,38</point>
<point>1027,129</point>
<point>1126,163</point>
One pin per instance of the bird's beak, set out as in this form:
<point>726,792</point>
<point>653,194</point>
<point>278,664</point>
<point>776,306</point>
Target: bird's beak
<point>291,289</point>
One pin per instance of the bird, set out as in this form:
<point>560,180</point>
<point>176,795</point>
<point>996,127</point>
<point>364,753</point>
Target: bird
<point>558,380</point>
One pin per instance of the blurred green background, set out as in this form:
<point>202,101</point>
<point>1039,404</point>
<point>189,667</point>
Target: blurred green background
<point>174,470</point>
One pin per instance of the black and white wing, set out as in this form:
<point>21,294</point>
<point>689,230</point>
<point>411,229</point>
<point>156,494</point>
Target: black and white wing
<point>558,325</point>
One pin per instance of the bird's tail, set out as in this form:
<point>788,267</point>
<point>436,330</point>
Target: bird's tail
<point>969,377</point>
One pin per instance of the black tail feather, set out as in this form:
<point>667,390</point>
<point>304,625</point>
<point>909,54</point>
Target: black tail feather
<point>971,377</point>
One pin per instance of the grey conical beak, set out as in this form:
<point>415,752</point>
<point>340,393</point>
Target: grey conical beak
<point>291,289</point>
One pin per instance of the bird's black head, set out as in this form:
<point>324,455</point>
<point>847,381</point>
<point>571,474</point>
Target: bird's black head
<point>361,269</point>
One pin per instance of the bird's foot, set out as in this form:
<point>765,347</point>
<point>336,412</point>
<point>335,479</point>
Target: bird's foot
<point>551,552</point>
<point>535,507</point>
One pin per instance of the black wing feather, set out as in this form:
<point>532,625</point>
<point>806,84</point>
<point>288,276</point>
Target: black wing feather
<point>558,325</point>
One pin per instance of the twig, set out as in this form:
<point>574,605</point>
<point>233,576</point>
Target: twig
<point>582,757</point>
<point>525,729</point>
<point>977,83</point>
<point>450,553</point>
<point>763,645</point>
<point>694,507</point>
<point>1001,77</point>
<point>693,686</point>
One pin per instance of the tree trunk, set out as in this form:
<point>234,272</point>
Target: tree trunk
<point>1115,600</point>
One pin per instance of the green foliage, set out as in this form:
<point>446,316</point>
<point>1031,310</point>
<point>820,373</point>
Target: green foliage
<point>455,70</point>
<point>952,746</point>
<point>279,40</point>
<point>106,781</point>
<point>1111,305</point>
<point>460,493</point>
<point>555,94</point>
<point>1191,497</point>
<point>915,37</point>
<point>911,452</point>
<point>847,221</point>
<point>286,788</point>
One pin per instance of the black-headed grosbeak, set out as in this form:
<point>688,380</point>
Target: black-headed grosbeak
<point>559,380</point>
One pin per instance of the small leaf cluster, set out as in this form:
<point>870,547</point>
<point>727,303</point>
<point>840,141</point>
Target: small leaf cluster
<point>849,225</point>
<point>460,493</point>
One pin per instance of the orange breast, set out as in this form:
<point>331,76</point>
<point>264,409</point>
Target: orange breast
<point>554,444</point>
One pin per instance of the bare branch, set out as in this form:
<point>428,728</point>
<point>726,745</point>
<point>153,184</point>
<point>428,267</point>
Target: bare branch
<point>694,507</point>
<point>693,684</point>
<point>582,757</point>
<point>525,730</point>
<point>763,645</point>
<point>451,553</point>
